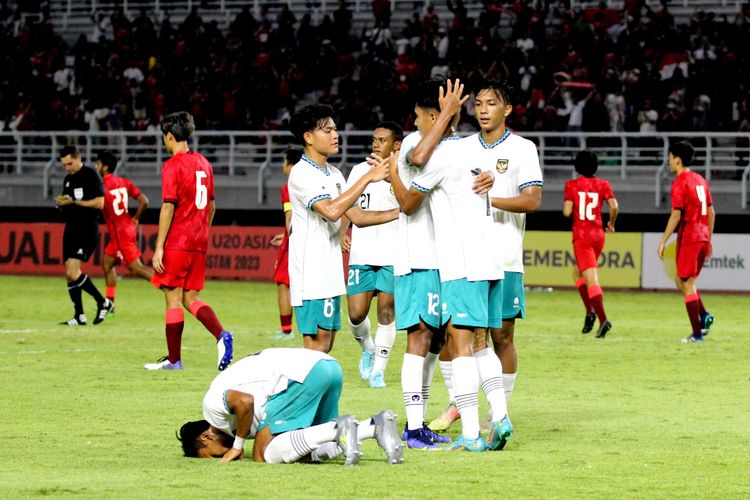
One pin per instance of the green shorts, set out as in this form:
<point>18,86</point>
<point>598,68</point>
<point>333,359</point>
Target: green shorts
<point>314,401</point>
<point>495,305</point>
<point>514,297</point>
<point>465,302</point>
<point>417,296</point>
<point>369,278</point>
<point>319,313</point>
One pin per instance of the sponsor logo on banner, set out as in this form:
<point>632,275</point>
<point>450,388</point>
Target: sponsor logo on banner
<point>549,260</point>
<point>726,270</point>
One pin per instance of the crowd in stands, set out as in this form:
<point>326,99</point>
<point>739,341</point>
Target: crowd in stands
<point>594,69</point>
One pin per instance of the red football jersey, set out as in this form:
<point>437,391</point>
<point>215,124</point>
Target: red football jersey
<point>691,196</point>
<point>588,195</point>
<point>187,181</point>
<point>117,192</point>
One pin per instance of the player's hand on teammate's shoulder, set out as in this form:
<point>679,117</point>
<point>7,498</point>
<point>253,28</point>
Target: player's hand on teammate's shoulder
<point>231,455</point>
<point>483,182</point>
<point>379,167</point>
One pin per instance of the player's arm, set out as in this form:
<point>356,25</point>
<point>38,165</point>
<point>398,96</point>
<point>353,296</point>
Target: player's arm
<point>345,239</point>
<point>528,200</point>
<point>95,203</point>
<point>332,210</point>
<point>211,212</point>
<point>567,208</point>
<point>142,204</point>
<point>672,223</point>
<point>450,100</point>
<point>408,199</point>
<point>165,222</point>
<point>711,221</point>
<point>241,405</point>
<point>365,218</point>
<point>614,209</point>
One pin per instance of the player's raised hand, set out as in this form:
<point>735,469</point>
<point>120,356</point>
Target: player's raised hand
<point>379,167</point>
<point>158,260</point>
<point>232,454</point>
<point>451,97</point>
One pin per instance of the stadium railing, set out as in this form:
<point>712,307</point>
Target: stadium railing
<point>637,160</point>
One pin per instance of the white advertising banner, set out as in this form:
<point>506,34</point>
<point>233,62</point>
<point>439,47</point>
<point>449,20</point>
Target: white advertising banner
<point>727,270</point>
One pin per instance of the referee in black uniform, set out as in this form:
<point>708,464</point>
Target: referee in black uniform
<point>81,202</point>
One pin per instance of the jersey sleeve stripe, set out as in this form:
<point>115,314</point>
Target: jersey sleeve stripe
<point>530,183</point>
<point>170,200</point>
<point>419,188</point>
<point>317,199</point>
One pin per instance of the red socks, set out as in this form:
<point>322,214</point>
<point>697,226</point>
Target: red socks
<point>286,323</point>
<point>581,286</point>
<point>693,306</point>
<point>206,315</point>
<point>175,320</point>
<point>110,292</point>
<point>597,302</point>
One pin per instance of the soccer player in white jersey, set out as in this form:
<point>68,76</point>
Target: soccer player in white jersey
<point>371,255</point>
<point>319,200</point>
<point>287,400</point>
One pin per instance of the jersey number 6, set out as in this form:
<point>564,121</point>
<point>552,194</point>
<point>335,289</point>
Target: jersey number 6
<point>201,192</point>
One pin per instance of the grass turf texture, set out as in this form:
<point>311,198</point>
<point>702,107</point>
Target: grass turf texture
<point>634,415</point>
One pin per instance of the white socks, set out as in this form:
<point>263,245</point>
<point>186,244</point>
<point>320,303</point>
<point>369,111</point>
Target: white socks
<point>427,373</point>
<point>362,334</point>
<point>385,337</point>
<point>491,377</point>
<point>326,451</point>
<point>446,368</point>
<point>466,385</point>
<point>411,384</point>
<point>509,380</point>
<point>293,445</point>
<point>365,430</point>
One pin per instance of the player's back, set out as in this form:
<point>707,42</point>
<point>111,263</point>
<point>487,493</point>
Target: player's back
<point>117,192</point>
<point>691,195</point>
<point>588,195</point>
<point>188,183</point>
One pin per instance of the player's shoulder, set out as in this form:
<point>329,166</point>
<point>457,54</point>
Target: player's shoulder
<point>520,141</point>
<point>359,170</point>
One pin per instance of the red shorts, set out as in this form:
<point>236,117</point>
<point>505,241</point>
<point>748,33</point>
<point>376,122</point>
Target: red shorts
<point>186,270</point>
<point>690,258</point>
<point>281,272</point>
<point>587,253</point>
<point>127,249</point>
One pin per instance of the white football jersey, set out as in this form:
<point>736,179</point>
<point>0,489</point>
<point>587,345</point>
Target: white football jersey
<point>416,233</point>
<point>466,239</point>
<point>263,374</point>
<point>373,245</point>
<point>515,162</point>
<point>315,263</point>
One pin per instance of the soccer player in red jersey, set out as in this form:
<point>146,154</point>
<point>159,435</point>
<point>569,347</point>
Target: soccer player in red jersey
<point>120,225</point>
<point>582,200</point>
<point>281,271</point>
<point>693,217</point>
<point>179,260</point>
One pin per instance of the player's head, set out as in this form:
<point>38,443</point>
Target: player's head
<point>71,159</point>
<point>681,155</point>
<point>291,156</point>
<point>586,163</point>
<point>386,138</point>
<point>176,128</point>
<point>493,103</point>
<point>106,162</point>
<point>200,440</point>
<point>313,128</point>
<point>426,104</point>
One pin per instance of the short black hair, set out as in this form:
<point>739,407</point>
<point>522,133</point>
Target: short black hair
<point>293,154</point>
<point>180,125</point>
<point>309,119</point>
<point>190,437</point>
<point>428,93</point>
<point>395,128</point>
<point>684,151</point>
<point>109,159</point>
<point>70,150</point>
<point>586,163</point>
<point>502,89</point>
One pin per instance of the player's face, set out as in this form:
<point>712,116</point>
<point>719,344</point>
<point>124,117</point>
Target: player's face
<point>70,164</point>
<point>98,166</point>
<point>325,138</point>
<point>383,142</point>
<point>425,119</point>
<point>215,444</point>
<point>491,110</point>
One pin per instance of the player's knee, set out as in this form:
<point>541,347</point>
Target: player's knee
<point>356,316</point>
<point>502,338</point>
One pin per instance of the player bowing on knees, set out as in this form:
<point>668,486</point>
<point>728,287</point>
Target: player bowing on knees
<point>319,200</point>
<point>693,217</point>
<point>287,400</point>
<point>582,200</point>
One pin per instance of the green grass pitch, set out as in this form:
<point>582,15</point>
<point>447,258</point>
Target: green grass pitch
<point>634,415</point>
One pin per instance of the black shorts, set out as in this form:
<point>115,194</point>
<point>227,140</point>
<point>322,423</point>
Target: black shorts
<point>79,243</point>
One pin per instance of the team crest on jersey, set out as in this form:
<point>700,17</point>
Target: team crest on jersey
<point>501,166</point>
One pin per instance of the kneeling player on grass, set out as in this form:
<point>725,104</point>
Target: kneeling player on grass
<point>120,225</point>
<point>693,218</point>
<point>287,401</point>
<point>582,200</point>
